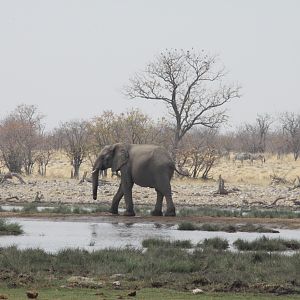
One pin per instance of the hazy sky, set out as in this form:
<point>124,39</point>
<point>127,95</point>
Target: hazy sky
<point>72,58</point>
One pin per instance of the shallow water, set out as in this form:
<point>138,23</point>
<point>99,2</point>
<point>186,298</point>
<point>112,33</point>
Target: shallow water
<point>54,235</point>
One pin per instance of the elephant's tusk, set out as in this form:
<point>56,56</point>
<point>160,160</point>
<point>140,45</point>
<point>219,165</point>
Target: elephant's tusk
<point>94,171</point>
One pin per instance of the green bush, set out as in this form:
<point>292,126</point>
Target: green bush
<point>148,243</point>
<point>214,243</point>
<point>10,228</point>
<point>266,244</point>
<point>187,226</point>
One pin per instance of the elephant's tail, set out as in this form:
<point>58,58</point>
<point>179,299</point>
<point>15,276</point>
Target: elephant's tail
<point>182,173</point>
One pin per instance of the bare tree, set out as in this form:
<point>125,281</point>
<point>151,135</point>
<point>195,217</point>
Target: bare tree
<point>291,128</point>
<point>76,143</point>
<point>190,84</point>
<point>20,134</point>
<point>252,137</point>
<point>263,125</point>
<point>11,151</point>
<point>198,153</point>
<point>44,153</point>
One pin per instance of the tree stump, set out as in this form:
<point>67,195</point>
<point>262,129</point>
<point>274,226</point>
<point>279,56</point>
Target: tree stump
<point>221,187</point>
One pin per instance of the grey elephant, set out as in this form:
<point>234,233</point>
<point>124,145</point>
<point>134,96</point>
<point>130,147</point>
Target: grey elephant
<point>144,165</point>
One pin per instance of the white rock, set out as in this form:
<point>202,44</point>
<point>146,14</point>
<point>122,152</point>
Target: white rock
<point>197,291</point>
<point>116,283</point>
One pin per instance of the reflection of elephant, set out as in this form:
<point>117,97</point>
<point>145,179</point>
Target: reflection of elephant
<point>145,165</point>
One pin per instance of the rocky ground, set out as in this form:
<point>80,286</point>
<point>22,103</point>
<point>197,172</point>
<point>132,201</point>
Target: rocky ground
<point>186,192</point>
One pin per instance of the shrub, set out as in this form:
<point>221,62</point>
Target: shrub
<point>214,243</point>
<point>187,226</point>
<point>266,244</point>
<point>148,243</point>
<point>10,228</point>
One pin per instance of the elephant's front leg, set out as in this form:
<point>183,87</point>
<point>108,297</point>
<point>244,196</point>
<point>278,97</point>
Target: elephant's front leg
<point>128,200</point>
<point>127,185</point>
<point>116,200</point>
<point>158,206</point>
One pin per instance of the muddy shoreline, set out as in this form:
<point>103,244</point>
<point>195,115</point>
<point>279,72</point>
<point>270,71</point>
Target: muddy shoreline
<point>107,217</point>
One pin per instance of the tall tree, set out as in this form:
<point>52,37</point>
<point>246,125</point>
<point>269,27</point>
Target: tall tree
<point>191,86</point>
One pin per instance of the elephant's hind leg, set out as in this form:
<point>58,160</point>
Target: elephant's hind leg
<point>158,206</point>
<point>164,187</point>
<point>116,200</point>
<point>170,206</point>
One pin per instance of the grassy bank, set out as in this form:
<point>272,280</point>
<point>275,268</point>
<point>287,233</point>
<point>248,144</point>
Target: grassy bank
<point>170,268</point>
<point>144,210</point>
<point>242,212</point>
<point>225,227</point>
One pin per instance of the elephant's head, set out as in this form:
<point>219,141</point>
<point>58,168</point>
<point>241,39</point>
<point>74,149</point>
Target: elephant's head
<point>111,156</point>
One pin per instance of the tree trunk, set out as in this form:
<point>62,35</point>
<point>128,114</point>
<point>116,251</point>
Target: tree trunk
<point>76,171</point>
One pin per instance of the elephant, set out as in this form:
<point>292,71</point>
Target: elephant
<point>141,164</point>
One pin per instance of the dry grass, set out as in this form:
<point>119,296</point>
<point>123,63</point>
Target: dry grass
<point>232,172</point>
<point>257,173</point>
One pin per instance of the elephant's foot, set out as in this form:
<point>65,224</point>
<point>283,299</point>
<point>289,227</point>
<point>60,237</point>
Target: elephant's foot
<point>129,213</point>
<point>170,212</point>
<point>156,212</point>
<point>113,211</point>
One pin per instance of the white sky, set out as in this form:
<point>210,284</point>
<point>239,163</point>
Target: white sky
<point>71,58</point>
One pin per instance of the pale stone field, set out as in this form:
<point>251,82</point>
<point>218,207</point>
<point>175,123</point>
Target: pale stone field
<point>248,184</point>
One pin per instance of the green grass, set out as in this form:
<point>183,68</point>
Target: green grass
<point>214,243</point>
<point>252,213</point>
<point>10,228</point>
<point>166,243</point>
<point>273,213</point>
<point>207,211</point>
<point>30,208</point>
<point>174,268</point>
<point>266,244</point>
<point>100,208</point>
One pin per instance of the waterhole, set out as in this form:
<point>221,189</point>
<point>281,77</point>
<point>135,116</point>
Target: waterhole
<point>97,233</point>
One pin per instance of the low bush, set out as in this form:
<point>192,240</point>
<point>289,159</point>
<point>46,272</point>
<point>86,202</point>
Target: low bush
<point>150,243</point>
<point>10,228</point>
<point>187,226</point>
<point>214,243</point>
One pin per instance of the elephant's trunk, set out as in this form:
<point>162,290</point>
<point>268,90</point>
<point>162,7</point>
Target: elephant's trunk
<point>95,176</point>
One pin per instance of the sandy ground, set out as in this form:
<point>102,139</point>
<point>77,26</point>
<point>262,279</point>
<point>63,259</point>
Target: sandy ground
<point>186,192</point>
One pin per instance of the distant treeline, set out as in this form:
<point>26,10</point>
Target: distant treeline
<point>26,146</point>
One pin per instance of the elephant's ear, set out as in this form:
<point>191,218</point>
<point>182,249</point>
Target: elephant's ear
<point>120,157</point>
